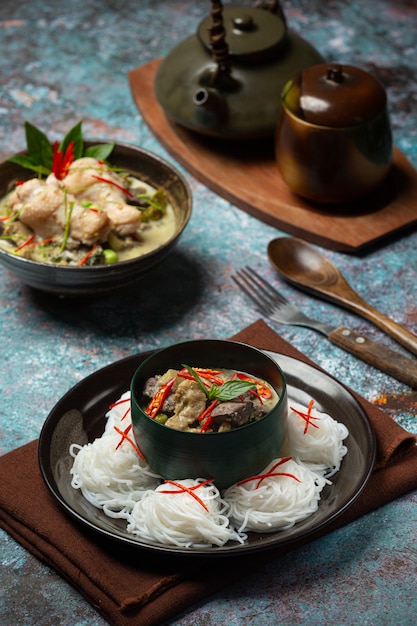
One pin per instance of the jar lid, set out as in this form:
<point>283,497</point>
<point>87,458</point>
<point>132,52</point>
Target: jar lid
<point>251,34</point>
<point>334,95</point>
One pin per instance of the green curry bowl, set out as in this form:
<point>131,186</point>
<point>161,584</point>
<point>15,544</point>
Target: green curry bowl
<point>85,276</point>
<point>234,451</point>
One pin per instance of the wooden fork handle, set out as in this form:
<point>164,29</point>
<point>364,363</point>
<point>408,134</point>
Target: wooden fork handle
<point>377,354</point>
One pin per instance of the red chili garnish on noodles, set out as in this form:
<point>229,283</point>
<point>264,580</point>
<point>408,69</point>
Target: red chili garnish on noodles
<point>270,474</point>
<point>190,490</point>
<point>124,434</point>
<point>61,161</point>
<point>125,414</point>
<point>112,182</point>
<point>87,256</point>
<point>263,390</point>
<point>307,417</point>
<point>25,243</point>
<point>121,402</point>
<point>159,398</point>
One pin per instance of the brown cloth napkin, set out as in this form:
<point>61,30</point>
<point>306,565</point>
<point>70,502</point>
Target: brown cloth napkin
<point>130,589</point>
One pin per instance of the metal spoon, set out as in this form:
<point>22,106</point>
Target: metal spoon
<point>304,266</point>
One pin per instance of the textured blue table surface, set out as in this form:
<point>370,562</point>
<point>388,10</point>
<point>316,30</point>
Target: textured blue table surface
<point>62,62</point>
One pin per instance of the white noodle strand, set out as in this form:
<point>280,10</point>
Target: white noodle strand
<point>321,448</point>
<point>113,477</point>
<point>179,519</point>
<point>276,502</point>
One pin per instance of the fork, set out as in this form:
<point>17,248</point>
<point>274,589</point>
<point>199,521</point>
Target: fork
<point>276,307</point>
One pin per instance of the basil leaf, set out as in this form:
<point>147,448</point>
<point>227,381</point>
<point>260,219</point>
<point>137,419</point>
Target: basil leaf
<point>28,163</point>
<point>75,135</point>
<point>230,389</point>
<point>38,146</point>
<point>40,151</point>
<point>100,151</point>
<point>196,378</point>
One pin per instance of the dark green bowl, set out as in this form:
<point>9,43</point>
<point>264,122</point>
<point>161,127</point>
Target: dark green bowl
<point>225,457</point>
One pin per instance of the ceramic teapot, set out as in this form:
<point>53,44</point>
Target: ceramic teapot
<point>226,80</point>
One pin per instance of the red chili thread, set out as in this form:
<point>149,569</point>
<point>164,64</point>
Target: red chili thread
<point>263,390</point>
<point>39,243</point>
<point>307,417</point>
<point>208,410</point>
<point>25,243</point>
<point>189,490</point>
<point>270,474</point>
<point>87,256</point>
<point>119,402</point>
<point>112,406</point>
<point>206,374</point>
<point>112,182</point>
<point>124,434</point>
<point>159,398</point>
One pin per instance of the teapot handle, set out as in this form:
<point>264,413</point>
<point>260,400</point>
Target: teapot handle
<point>219,47</point>
<point>218,44</point>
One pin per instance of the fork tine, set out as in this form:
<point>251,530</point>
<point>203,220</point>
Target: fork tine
<point>264,295</point>
<point>240,278</point>
<point>274,305</point>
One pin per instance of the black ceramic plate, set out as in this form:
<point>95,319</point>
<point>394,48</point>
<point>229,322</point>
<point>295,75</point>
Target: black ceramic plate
<point>79,417</point>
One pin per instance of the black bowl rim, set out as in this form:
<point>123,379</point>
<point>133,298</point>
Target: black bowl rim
<point>155,354</point>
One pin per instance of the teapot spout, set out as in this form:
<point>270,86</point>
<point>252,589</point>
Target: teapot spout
<point>211,111</point>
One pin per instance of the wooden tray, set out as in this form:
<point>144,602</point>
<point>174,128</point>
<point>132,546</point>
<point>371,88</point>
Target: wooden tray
<point>245,173</point>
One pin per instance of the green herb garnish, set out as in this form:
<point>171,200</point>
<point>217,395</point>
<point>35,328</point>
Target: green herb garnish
<point>68,214</point>
<point>228,391</point>
<point>40,151</point>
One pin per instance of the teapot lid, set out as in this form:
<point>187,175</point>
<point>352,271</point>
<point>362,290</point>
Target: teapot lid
<point>334,95</point>
<point>252,34</point>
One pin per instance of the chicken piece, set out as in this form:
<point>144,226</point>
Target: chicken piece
<point>83,172</point>
<point>99,193</point>
<point>37,204</point>
<point>190,402</point>
<point>108,197</point>
<point>124,218</point>
<point>87,226</point>
<point>15,228</point>
<point>44,208</point>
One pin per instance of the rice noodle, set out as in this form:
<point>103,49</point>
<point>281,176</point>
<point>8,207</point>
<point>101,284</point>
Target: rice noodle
<point>276,502</point>
<point>112,478</point>
<point>321,447</point>
<point>179,519</point>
